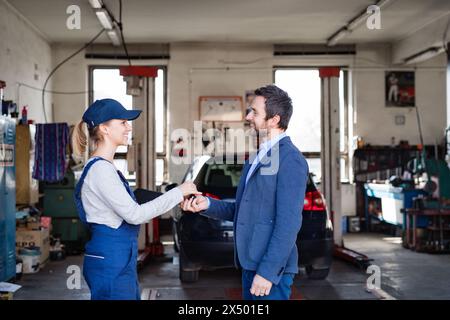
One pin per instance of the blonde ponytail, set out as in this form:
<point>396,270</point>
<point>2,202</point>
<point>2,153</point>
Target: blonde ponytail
<point>82,141</point>
<point>79,139</point>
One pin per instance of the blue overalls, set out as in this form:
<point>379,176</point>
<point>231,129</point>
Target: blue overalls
<point>110,261</point>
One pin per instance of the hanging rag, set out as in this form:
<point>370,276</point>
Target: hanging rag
<point>50,162</point>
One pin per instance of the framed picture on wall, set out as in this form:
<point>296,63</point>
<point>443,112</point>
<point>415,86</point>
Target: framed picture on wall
<point>221,108</point>
<point>400,89</point>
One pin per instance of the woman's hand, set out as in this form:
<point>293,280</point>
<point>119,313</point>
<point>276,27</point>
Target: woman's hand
<point>189,188</point>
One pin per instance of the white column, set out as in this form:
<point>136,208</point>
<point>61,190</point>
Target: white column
<point>330,147</point>
<point>143,141</point>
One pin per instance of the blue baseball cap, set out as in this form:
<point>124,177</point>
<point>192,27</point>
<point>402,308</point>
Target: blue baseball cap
<point>107,109</point>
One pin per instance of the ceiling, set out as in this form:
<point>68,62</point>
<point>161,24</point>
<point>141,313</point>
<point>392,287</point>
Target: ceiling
<point>267,21</point>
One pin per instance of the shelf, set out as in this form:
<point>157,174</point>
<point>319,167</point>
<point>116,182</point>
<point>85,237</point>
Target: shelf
<point>438,229</point>
<point>428,212</point>
<point>429,250</point>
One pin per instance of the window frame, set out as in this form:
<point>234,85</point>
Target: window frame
<point>345,154</point>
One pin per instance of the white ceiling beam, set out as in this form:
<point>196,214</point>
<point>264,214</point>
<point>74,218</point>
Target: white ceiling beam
<point>423,44</point>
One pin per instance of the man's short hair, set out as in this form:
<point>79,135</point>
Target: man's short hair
<point>278,103</point>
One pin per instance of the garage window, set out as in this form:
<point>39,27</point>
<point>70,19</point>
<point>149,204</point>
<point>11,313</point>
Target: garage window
<point>106,82</point>
<point>303,86</point>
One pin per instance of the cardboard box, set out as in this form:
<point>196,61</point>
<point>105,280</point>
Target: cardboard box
<point>37,238</point>
<point>33,225</point>
<point>27,188</point>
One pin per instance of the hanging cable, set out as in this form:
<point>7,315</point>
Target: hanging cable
<point>121,33</point>
<point>124,45</point>
<point>120,11</point>
<point>60,64</point>
<point>419,126</point>
<point>120,26</point>
<point>21,84</point>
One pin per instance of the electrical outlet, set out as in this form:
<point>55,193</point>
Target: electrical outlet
<point>400,120</point>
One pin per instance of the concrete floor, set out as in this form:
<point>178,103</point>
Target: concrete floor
<point>405,275</point>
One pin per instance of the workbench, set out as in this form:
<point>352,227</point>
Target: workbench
<point>438,239</point>
<point>393,200</point>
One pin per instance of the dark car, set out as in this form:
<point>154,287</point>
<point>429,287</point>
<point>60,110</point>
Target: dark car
<point>205,243</point>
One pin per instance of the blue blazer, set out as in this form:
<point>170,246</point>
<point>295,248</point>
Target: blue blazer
<point>267,214</point>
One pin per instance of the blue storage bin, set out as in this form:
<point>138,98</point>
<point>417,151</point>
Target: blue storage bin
<point>7,199</point>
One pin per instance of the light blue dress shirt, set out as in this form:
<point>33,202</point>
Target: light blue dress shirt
<point>263,149</point>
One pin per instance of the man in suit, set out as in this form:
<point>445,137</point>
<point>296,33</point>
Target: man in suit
<point>267,214</point>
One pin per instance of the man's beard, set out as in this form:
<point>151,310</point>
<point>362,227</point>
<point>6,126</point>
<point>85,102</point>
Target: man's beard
<point>261,132</point>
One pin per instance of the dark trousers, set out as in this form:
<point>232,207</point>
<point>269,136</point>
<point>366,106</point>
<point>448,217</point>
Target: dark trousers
<point>282,291</point>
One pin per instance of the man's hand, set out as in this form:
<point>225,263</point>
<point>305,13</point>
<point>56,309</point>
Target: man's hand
<point>260,286</point>
<point>194,204</point>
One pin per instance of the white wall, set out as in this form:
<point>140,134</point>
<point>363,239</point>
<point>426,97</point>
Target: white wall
<point>375,122</point>
<point>348,202</point>
<point>70,77</point>
<point>25,56</point>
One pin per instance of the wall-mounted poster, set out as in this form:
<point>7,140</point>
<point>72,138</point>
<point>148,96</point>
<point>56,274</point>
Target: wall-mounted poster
<point>400,89</point>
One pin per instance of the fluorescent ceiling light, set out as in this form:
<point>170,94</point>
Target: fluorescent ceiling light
<point>96,4</point>
<point>104,18</point>
<point>114,37</point>
<point>338,36</point>
<point>424,55</point>
<point>106,21</point>
<point>383,3</point>
<point>352,25</point>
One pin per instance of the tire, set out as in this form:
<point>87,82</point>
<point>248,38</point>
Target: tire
<point>187,276</point>
<point>316,274</point>
<point>176,246</point>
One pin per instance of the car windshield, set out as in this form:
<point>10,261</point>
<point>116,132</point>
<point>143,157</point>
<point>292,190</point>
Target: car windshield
<point>222,175</point>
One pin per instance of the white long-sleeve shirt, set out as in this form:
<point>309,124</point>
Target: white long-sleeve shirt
<point>106,200</point>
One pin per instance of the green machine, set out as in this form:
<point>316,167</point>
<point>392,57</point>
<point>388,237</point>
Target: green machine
<point>433,167</point>
<point>439,169</point>
<point>60,205</point>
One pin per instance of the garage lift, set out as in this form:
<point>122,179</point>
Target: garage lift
<point>141,153</point>
<point>331,157</point>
